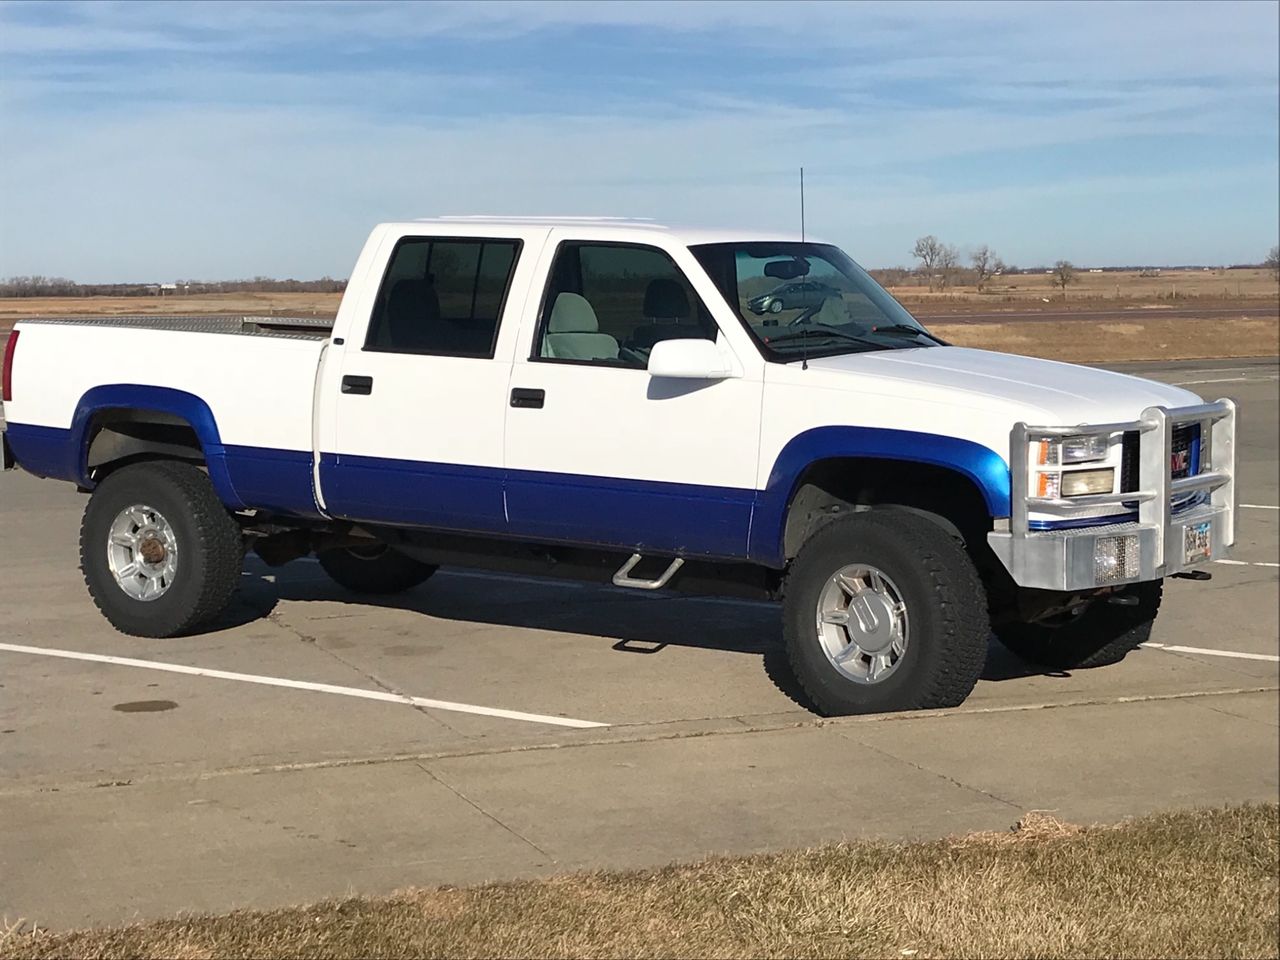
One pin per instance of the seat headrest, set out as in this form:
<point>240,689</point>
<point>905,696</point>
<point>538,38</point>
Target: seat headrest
<point>407,297</point>
<point>572,313</point>
<point>665,298</point>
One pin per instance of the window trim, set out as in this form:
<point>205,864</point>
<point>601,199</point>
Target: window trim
<point>502,303</point>
<point>539,329</point>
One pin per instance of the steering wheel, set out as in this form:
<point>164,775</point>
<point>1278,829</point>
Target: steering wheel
<point>635,355</point>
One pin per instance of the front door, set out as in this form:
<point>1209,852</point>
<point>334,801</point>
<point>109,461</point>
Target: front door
<point>600,453</point>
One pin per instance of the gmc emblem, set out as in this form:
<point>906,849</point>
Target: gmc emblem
<point>1180,462</point>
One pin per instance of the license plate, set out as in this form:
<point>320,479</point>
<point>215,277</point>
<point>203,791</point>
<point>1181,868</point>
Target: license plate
<point>1197,543</point>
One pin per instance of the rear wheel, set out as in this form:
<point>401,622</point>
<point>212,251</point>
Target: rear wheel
<point>1100,634</point>
<point>374,569</point>
<point>884,612</point>
<point>160,554</point>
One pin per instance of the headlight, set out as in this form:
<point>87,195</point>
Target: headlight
<point>1071,450</point>
<point>1081,483</point>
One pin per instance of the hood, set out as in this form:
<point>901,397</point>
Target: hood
<point>1049,392</point>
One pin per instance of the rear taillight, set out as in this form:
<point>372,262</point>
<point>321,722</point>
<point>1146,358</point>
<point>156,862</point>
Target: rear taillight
<point>9,349</point>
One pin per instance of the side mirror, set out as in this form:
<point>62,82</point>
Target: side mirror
<point>688,360</point>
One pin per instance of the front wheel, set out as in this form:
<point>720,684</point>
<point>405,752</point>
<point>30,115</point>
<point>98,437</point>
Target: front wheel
<point>775,306</point>
<point>160,554</point>
<point>883,613</point>
<point>374,569</point>
<point>1099,634</point>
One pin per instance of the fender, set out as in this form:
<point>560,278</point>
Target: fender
<point>982,465</point>
<point>178,403</point>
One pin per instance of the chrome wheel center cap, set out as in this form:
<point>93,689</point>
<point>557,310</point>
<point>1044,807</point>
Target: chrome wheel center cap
<point>862,623</point>
<point>871,620</point>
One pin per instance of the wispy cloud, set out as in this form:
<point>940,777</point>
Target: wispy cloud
<point>208,139</point>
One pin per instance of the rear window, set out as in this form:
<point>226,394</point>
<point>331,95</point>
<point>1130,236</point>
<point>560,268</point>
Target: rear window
<point>443,296</point>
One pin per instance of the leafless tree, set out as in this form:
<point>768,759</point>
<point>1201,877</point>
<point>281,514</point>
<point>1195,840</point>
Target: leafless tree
<point>1272,263</point>
<point>1064,272</point>
<point>928,250</point>
<point>985,265</point>
<point>948,264</point>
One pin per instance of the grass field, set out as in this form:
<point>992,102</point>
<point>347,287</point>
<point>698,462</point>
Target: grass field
<point>1103,341</point>
<point>1126,286</point>
<point>1193,884</point>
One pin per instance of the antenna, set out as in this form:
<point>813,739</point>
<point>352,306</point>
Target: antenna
<point>802,204</point>
<point>804,342</point>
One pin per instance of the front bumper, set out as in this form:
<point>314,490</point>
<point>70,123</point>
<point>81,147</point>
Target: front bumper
<point>1155,545</point>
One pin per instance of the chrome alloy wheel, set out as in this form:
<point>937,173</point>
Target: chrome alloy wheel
<point>142,552</point>
<point>862,623</point>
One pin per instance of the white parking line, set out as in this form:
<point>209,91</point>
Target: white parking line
<point>1259,506</point>
<point>1248,563</point>
<point>303,685</point>
<point>1237,654</point>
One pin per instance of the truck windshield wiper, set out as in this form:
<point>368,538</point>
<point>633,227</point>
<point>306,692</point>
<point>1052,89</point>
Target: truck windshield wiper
<point>818,330</point>
<point>909,328</point>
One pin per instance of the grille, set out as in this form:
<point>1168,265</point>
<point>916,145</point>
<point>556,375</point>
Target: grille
<point>1184,447</point>
<point>1185,443</point>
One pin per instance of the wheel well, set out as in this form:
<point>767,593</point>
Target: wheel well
<point>831,488</point>
<point>117,438</point>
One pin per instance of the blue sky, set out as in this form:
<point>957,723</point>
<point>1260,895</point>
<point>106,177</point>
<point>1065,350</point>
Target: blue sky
<point>220,140</point>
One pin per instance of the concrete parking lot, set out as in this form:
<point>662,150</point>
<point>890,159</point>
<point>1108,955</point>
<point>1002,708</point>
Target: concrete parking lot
<point>487,727</point>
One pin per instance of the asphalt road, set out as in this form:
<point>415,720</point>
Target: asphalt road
<point>314,745</point>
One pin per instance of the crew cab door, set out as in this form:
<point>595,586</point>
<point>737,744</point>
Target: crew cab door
<point>599,452</point>
<point>412,403</point>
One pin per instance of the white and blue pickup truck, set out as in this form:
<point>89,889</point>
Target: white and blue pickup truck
<point>711,411</point>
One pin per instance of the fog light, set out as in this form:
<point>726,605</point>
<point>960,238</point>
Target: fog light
<point>1080,483</point>
<point>1048,484</point>
<point>1115,559</point>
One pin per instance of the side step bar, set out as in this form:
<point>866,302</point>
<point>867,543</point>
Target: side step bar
<point>623,577</point>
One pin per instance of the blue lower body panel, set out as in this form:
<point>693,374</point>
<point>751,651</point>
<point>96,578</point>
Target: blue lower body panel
<point>647,516</point>
<point>44,451</point>
<point>550,507</point>
<point>277,481</point>
<point>441,496</point>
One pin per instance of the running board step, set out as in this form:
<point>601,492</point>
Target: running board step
<point>623,577</point>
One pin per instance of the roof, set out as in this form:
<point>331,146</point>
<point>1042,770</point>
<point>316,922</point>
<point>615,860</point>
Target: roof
<point>624,227</point>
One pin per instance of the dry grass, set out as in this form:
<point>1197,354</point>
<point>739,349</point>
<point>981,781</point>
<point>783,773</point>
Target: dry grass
<point>1194,884</point>
<point>1169,287</point>
<point>256,304</point>
<point>1085,341</point>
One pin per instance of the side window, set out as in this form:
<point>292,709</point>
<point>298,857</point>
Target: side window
<point>442,296</point>
<point>610,303</point>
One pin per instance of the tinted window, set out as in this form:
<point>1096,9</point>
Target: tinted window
<point>610,303</point>
<point>442,296</point>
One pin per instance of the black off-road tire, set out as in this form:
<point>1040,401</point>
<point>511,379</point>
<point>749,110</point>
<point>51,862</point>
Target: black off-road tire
<point>210,550</point>
<point>1100,636</point>
<point>948,625</point>
<point>377,570</point>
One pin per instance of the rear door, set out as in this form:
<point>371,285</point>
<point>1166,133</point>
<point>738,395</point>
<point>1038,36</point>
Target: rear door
<point>597,451</point>
<point>412,415</point>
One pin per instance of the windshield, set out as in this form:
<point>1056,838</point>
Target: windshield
<point>808,299</point>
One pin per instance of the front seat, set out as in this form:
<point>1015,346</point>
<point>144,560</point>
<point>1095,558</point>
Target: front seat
<point>573,332</point>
